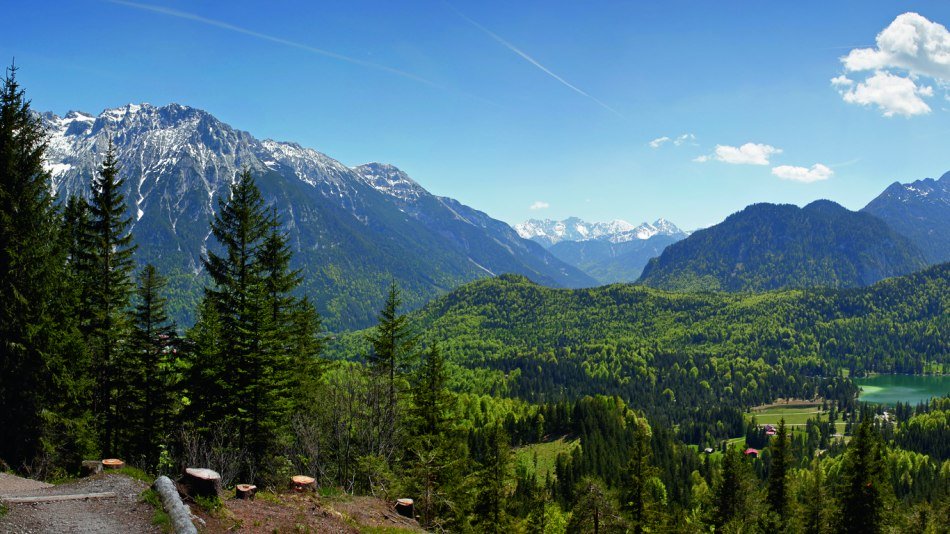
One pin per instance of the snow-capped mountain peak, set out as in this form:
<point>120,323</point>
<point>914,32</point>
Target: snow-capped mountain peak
<point>548,232</point>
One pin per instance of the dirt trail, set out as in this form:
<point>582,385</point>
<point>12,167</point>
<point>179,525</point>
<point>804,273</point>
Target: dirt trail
<point>122,514</point>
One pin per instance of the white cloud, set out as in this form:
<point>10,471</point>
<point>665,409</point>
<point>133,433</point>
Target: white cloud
<point>910,48</point>
<point>658,142</point>
<point>842,81</point>
<point>894,95</point>
<point>678,141</point>
<point>539,205</point>
<point>816,173</point>
<point>911,43</point>
<point>686,137</point>
<point>747,154</point>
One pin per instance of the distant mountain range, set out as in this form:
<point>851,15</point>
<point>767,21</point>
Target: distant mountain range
<point>549,232</point>
<point>921,211</point>
<point>610,252</point>
<point>353,229</point>
<point>769,246</point>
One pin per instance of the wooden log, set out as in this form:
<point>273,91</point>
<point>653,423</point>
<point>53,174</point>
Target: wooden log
<point>202,482</point>
<point>113,463</point>
<point>245,491</point>
<point>90,467</point>
<point>404,507</point>
<point>54,498</point>
<point>179,514</point>
<point>303,483</point>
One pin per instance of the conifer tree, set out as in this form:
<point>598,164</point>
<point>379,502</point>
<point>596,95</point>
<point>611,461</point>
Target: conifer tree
<point>779,454</point>
<point>153,346</point>
<point>238,295</point>
<point>817,506</point>
<point>491,514</point>
<point>393,343</point>
<point>435,451</point>
<point>595,510</point>
<point>734,489</point>
<point>256,333</point>
<point>110,285</point>
<point>392,346</point>
<point>863,490</point>
<point>306,345</point>
<point>636,495</point>
<point>30,269</point>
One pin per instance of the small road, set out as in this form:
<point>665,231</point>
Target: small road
<point>123,513</point>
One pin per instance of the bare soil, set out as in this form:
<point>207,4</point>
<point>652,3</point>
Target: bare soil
<point>291,512</point>
<point>123,514</point>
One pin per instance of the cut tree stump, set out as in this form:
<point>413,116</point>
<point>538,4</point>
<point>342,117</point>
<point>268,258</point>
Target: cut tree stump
<point>90,467</point>
<point>201,482</point>
<point>303,483</point>
<point>113,463</point>
<point>404,507</point>
<point>245,491</point>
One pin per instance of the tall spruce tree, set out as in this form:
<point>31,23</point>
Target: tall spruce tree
<point>255,328</point>
<point>734,490</point>
<point>110,267</point>
<point>436,451</point>
<point>636,496</point>
<point>393,346</point>
<point>491,503</point>
<point>863,491</point>
<point>393,343</point>
<point>152,352</point>
<point>30,268</point>
<point>779,454</point>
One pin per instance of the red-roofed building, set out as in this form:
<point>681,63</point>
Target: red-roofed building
<point>752,452</point>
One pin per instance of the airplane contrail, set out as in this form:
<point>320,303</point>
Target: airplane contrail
<point>533,61</point>
<point>238,29</point>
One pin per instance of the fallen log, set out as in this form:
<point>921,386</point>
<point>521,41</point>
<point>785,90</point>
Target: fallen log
<point>54,498</point>
<point>179,514</point>
<point>245,491</point>
<point>202,482</point>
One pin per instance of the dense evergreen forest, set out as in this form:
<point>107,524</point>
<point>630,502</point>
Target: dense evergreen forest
<point>437,405</point>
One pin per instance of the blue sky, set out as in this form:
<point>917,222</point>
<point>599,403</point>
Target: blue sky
<point>509,105</point>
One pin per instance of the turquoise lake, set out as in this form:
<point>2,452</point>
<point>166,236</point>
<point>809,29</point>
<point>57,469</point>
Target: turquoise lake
<point>889,389</point>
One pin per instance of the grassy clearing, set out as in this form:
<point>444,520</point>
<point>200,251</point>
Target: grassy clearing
<point>546,453</point>
<point>794,415</point>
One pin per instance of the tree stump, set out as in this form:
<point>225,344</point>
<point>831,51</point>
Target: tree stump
<point>245,491</point>
<point>404,507</point>
<point>113,463</point>
<point>303,483</point>
<point>90,467</point>
<point>201,482</point>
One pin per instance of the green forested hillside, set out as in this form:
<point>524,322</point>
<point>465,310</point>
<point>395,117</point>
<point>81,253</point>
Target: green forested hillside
<point>673,351</point>
<point>769,246</point>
